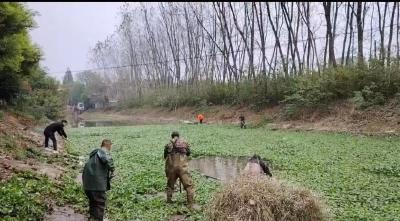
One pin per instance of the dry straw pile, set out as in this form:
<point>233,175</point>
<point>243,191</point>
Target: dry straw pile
<point>250,198</point>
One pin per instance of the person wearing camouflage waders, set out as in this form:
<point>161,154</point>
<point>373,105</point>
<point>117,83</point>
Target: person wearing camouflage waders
<point>176,166</point>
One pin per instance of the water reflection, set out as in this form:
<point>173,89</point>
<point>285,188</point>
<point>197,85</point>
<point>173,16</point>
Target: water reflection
<point>102,123</point>
<point>222,168</point>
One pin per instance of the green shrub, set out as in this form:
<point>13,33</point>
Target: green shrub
<point>133,102</point>
<point>369,96</point>
<point>261,123</point>
<point>358,99</point>
<point>220,94</point>
<point>311,90</point>
<point>41,103</point>
<point>308,92</point>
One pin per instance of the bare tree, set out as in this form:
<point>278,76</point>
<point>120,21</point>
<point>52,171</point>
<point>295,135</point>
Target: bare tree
<point>371,33</point>
<point>186,47</point>
<point>310,36</point>
<point>278,43</point>
<point>391,33</point>
<point>382,30</point>
<point>348,13</point>
<point>359,14</point>
<point>351,35</point>
<point>260,23</point>
<point>397,34</point>
<point>329,33</point>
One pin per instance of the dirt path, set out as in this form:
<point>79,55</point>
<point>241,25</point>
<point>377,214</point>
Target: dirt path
<point>52,171</point>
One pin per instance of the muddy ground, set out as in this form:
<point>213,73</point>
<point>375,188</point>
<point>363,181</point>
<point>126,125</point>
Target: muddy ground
<point>23,150</point>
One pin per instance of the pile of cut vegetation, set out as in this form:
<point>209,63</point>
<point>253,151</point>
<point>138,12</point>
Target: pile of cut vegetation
<point>264,199</point>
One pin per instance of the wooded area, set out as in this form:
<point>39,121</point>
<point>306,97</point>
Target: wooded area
<point>180,52</point>
<point>24,85</point>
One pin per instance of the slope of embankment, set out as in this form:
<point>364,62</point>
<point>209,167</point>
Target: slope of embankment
<point>341,116</point>
<point>35,184</point>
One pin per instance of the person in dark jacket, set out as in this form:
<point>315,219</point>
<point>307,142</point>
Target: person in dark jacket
<point>242,122</point>
<point>51,129</point>
<point>96,177</point>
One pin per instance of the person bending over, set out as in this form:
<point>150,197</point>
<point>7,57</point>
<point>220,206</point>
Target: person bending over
<point>49,133</point>
<point>256,166</point>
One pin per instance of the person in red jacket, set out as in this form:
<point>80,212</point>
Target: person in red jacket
<point>200,118</point>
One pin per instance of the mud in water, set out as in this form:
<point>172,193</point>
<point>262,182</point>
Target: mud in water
<point>219,168</point>
<point>107,123</point>
<point>64,214</point>
<point>102,123</point>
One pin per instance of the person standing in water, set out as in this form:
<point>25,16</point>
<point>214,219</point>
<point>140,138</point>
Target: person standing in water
<point>176,154</point>
<point>256,166</point>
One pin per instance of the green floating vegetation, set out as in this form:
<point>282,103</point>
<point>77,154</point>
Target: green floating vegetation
<point>356,176</point>
<point>28,196</point>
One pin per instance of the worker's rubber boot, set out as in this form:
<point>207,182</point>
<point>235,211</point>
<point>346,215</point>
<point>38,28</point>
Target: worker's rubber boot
<point>190,197</point>
<point>169,196</point>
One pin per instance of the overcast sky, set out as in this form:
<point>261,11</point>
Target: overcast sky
<point>66,31</point>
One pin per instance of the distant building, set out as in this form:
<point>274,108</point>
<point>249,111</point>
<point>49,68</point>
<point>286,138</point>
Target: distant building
<point>101,101</point>
<point>97,101</point>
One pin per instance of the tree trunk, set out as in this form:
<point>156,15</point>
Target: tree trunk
<point>371,34</point>
<point>260,23</point>
<point>382,31</point>
<point>391,33</point>
<point>278,43</point>
<point>360,54</point>
<point>345,33</point>
<point>351,36</point>
<point>331,43</point>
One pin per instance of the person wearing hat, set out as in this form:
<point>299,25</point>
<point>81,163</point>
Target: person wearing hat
<point>176,154</point>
